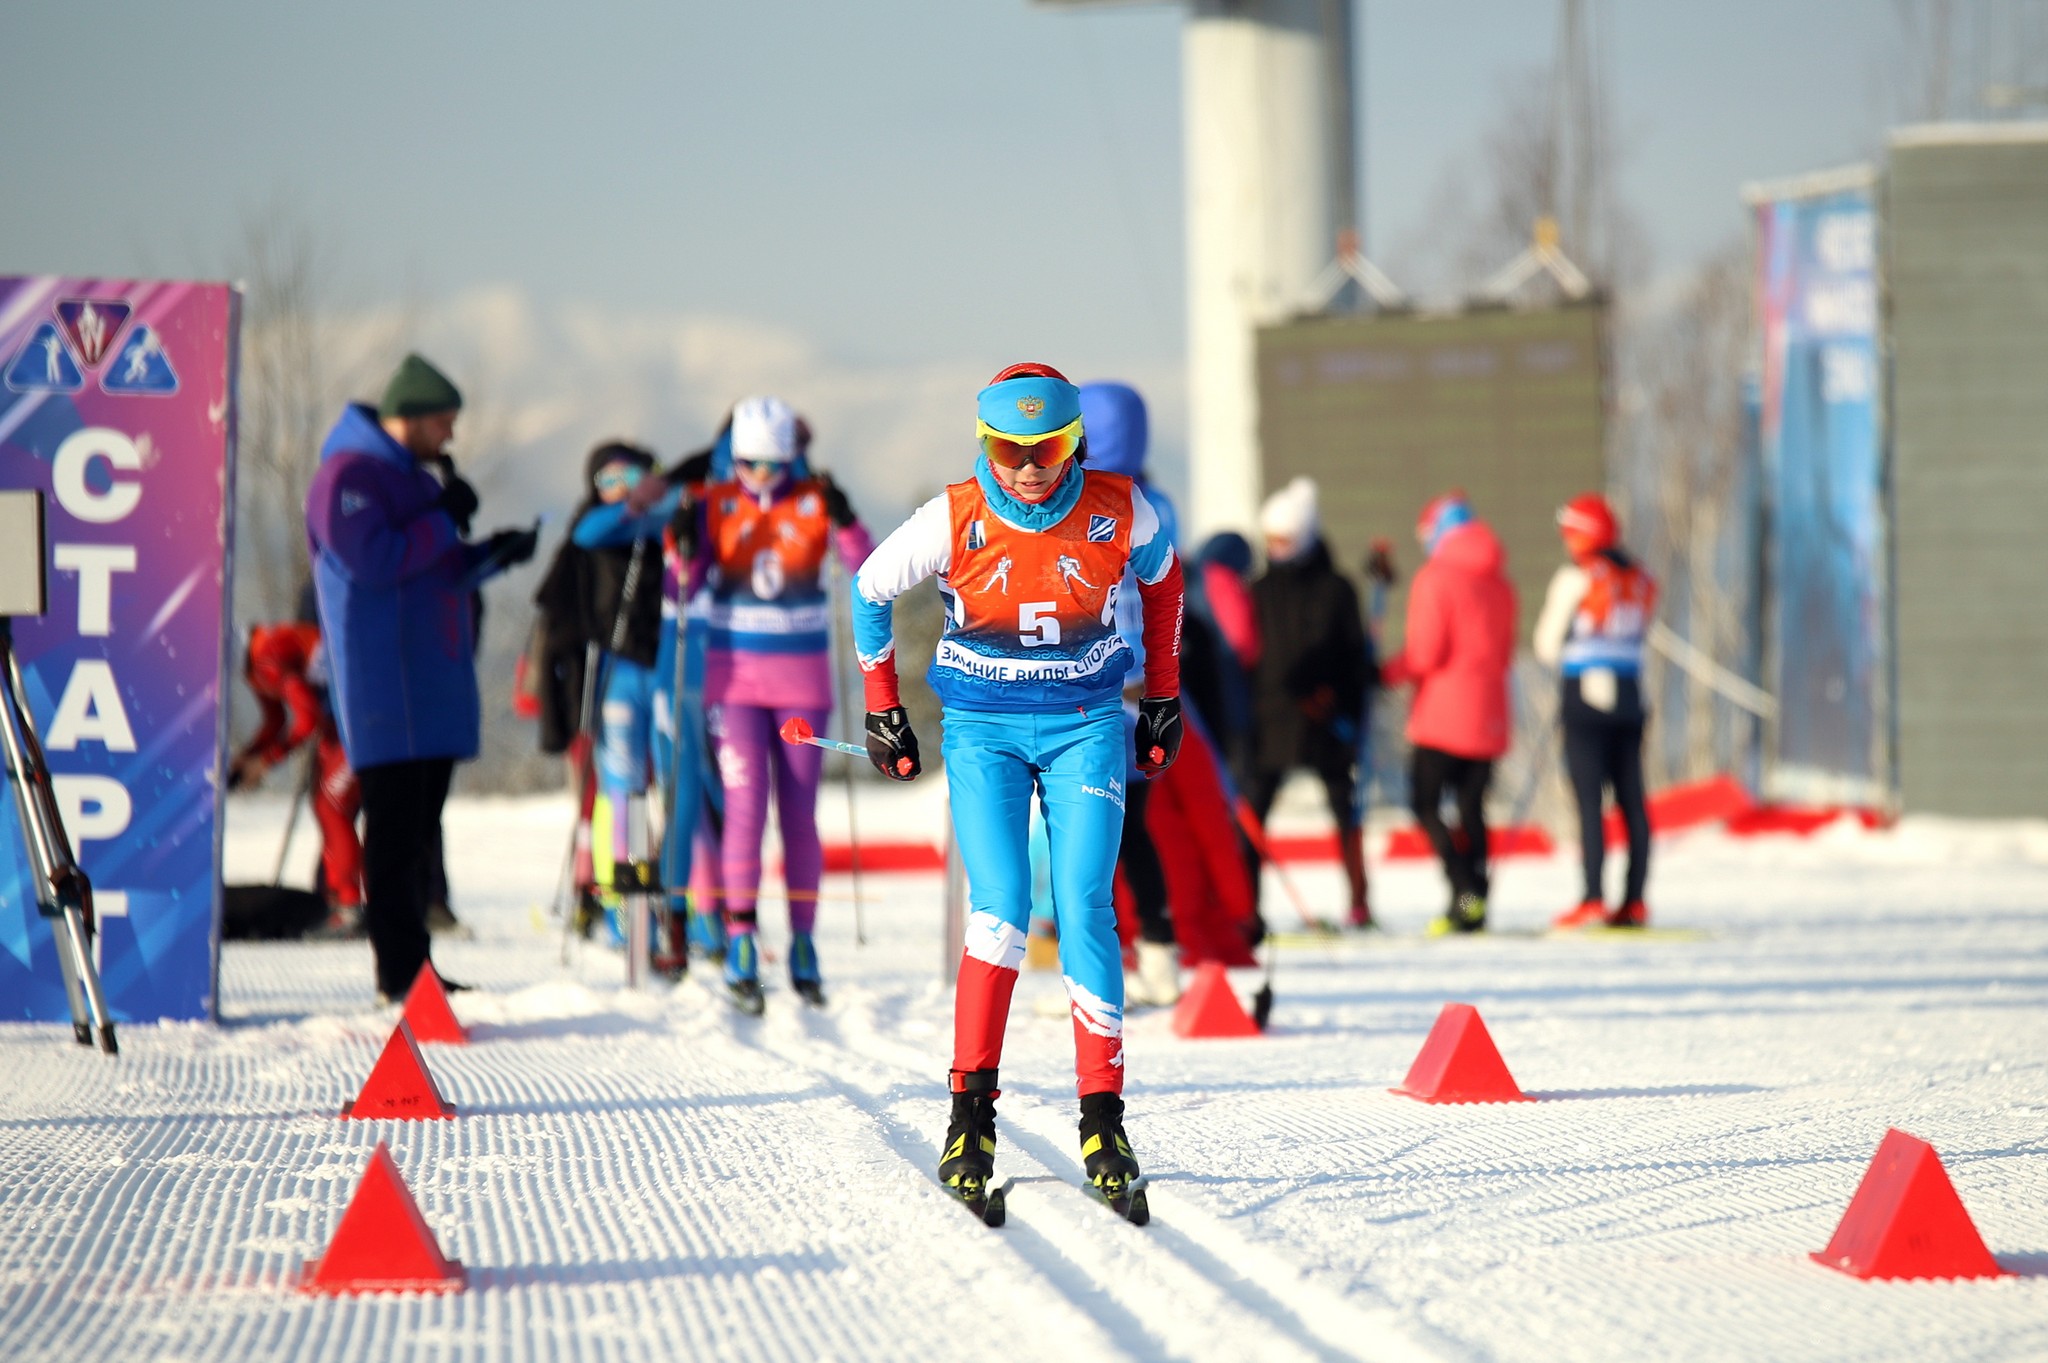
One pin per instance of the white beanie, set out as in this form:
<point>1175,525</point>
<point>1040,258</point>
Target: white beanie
<point>765,428</point>
<point>1290,514</point>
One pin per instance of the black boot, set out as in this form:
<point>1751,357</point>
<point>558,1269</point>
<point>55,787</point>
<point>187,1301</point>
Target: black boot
<point>1106,1156</point>
<point>967,1164</point>
<point>1105,1150</point>
<point>969,1158</point>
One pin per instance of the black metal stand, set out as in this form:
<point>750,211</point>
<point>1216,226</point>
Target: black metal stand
<point>63,893</point>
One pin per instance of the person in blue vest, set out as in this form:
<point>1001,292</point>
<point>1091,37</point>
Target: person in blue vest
<point>1030,554</point>
<point>1595,618</point>
<point>387,518</point>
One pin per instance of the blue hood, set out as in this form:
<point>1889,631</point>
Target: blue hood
<point>1113,417</point>
<point>358,432</point>
<point>1228,548</point>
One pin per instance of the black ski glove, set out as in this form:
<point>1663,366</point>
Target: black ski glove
<point>1159,733</point>
<point>508,547</point>
<point>892,747</point>
<point>457,497</point>
<point>836,505</point>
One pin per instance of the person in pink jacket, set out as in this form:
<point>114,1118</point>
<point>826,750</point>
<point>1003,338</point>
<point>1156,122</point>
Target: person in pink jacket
<point>1458,648</point>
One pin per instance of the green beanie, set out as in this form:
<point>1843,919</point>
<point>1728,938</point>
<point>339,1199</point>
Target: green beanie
<point>418,389</point>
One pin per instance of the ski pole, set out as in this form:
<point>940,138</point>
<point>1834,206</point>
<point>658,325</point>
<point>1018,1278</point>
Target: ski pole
<point>860,923</point>
<point>1249,823</point>
<point>797,730</point>
<point>1539,766</point>
<point>860,926</point>
<point>1262,1002</point>
<point>291,823</point>
<point>594,659</point>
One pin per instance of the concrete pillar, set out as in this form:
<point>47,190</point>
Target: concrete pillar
<point>1269,169</point>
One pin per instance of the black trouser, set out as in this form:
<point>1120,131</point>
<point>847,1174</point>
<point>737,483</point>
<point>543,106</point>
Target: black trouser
<point>401,839</point>
<point>1601,754</point>
<point>1142,871</point>
<point>1333,766</point>
<point>1432,771</point>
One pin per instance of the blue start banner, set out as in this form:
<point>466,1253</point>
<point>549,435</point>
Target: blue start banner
<point>117,403</point>
<point>1822,447</point>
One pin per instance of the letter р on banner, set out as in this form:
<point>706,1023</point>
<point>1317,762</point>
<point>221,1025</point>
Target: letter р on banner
<point>117,402</point>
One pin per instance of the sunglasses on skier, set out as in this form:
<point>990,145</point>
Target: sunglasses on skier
<point>618,476</point>
<point>1048,451</point>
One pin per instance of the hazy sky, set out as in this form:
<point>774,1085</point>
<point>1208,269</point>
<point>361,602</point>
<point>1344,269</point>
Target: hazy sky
<point>898,181</point>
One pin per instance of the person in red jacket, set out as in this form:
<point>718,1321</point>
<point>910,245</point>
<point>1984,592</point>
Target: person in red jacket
<point>1458,648</point>
<point>285,671</point>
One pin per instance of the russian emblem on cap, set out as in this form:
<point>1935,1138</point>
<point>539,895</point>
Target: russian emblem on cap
<point>1031,406</point>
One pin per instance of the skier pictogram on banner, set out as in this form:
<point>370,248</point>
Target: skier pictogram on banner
<point>141,368</point>
<point>44,364</point>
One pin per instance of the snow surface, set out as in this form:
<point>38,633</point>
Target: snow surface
<point>649,1176</point>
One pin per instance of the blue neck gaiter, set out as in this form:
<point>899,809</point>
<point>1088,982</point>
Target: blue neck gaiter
<point>1038,516</point>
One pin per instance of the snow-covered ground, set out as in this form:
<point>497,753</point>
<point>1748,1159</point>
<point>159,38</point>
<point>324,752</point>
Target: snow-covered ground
<point>649,1176</point>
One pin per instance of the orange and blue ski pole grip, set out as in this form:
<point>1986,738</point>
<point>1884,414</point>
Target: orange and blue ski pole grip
<point>797,731</point>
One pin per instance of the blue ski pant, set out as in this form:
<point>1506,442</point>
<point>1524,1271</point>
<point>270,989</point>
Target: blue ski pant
<point>1074,763</point>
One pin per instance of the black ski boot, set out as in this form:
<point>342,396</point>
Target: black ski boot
<point>1466,914</point>
<point>743,974</point>
<point>968,1161</point>
<point>1106,1157</point>
<point>804,976</point>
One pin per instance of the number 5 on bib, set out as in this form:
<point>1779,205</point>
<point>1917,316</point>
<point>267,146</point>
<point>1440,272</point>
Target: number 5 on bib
<point>1037,625</point>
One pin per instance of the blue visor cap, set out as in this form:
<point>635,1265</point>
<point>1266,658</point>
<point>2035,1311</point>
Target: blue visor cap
<point>1030,405</point>
<point>1450,513</point>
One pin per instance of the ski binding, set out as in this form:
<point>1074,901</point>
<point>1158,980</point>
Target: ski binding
<point>990,1205</point>
<point>1127,1200</point>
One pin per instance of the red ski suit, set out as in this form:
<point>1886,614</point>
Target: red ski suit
<point>1459,647</point>
<point>280,659</point>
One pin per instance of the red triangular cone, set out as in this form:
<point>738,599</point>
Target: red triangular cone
<point>399,1084</point>
<point>1906,1221</point>
<point>383,1243</point>
<point>1460,1064</point>
<point>1210,1007</point>
<point>427,1011</point>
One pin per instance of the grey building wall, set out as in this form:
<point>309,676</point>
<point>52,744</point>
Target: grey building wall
<point>1966,246</point>
<point>1386,411</point>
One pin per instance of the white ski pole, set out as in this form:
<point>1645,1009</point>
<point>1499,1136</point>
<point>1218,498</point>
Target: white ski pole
<point>860,924</point>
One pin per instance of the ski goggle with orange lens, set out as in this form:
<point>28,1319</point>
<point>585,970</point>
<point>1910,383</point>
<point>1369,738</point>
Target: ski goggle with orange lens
<point>1048,451</point>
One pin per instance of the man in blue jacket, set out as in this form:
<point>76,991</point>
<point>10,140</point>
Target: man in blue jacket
<point>396,580</point>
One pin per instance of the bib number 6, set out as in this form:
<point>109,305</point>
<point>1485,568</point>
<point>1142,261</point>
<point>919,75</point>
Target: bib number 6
<point>768,576</point>
<point>1037,626</point>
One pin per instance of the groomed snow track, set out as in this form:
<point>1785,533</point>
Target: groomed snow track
<point>653,1177</point>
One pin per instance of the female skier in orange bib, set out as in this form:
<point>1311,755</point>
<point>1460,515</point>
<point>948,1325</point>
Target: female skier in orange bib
<point>1029,553</point>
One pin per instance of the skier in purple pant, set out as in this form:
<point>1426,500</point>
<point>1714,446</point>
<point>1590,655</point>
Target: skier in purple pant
<point>758,597</point>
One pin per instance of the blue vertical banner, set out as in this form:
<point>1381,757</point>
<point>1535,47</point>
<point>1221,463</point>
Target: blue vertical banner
<point>1821,437</point>
<point>117,402</point>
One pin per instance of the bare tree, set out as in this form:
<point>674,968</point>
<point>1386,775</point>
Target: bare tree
<point>1681,443</point>
<point>284,405</point>
<point>1964,59</point>
<point>301,358</point>
<point>1552,151</point>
